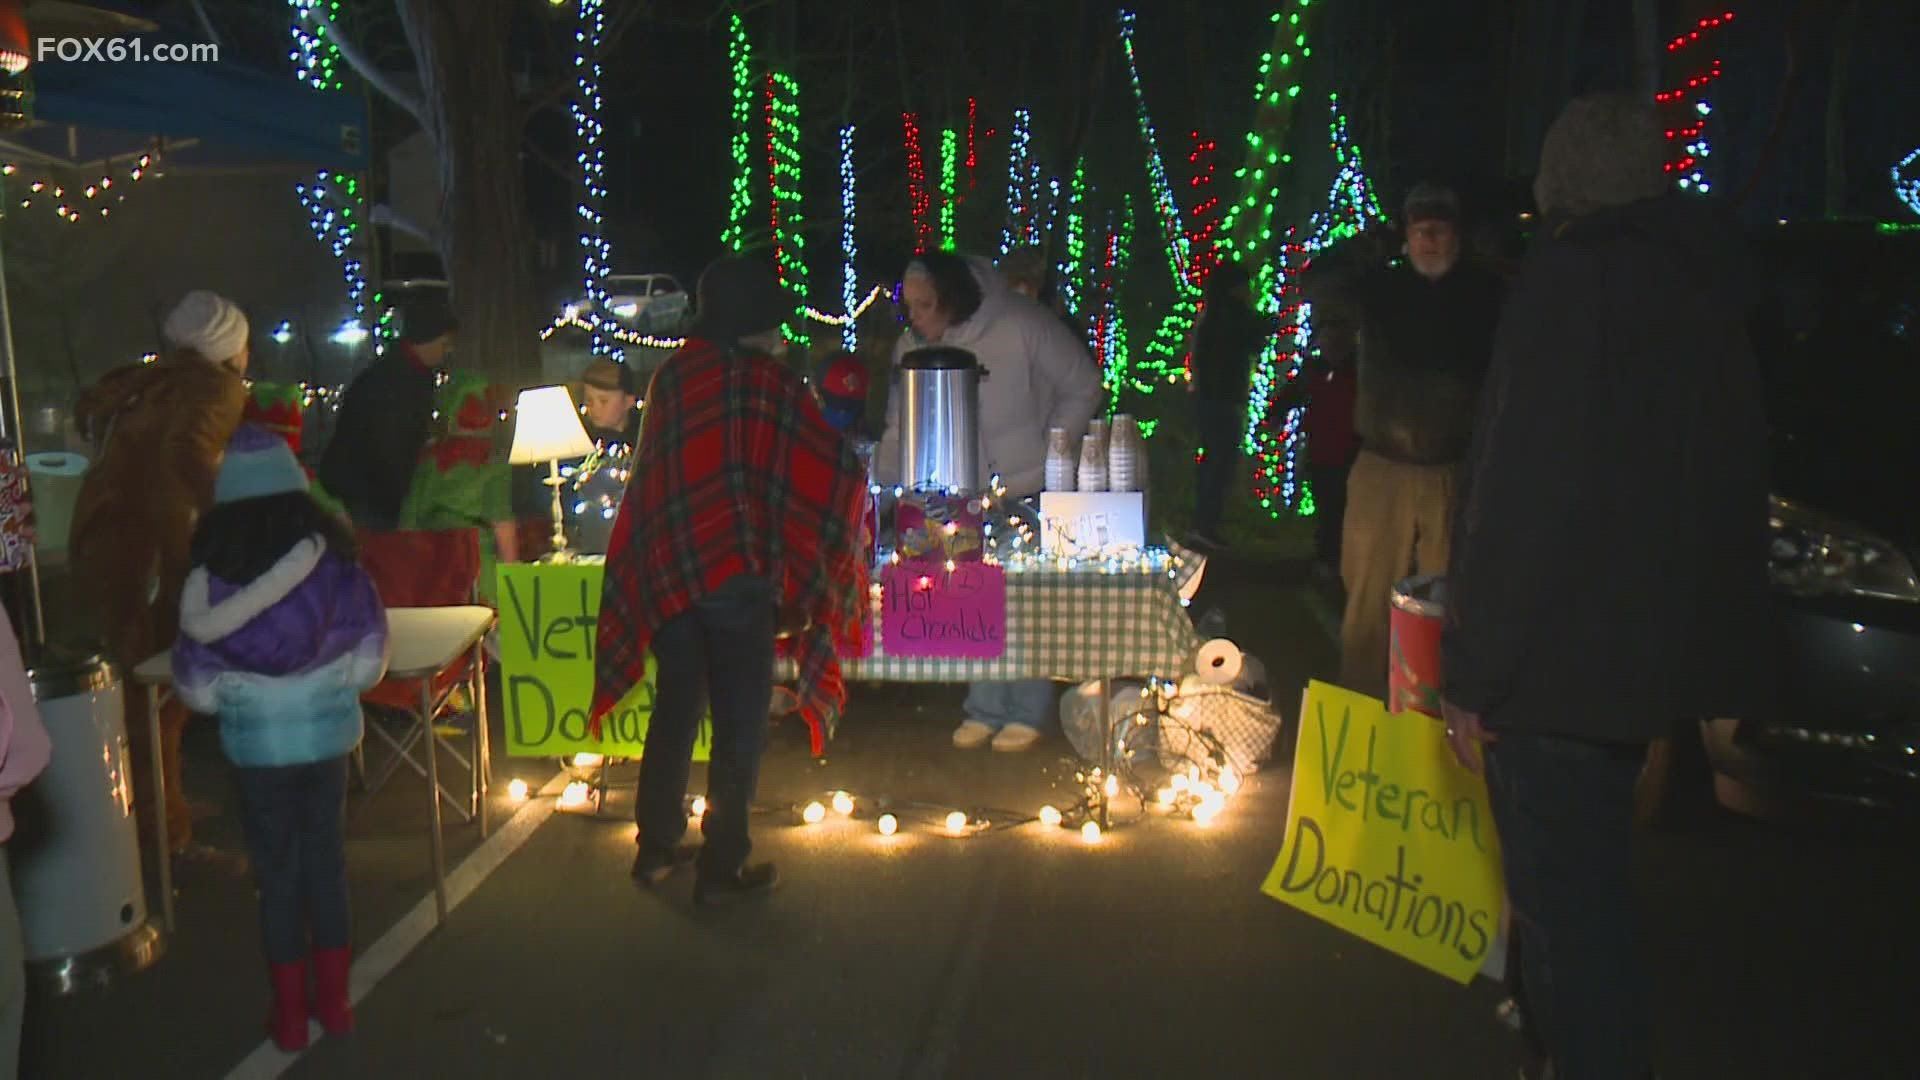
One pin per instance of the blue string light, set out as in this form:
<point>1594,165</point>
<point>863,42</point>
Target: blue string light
<point>596,255</point>
<point>849,282</point>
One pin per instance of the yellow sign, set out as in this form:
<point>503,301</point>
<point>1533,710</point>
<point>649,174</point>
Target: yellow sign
<point>549,619</point>
<point>1388,838</point>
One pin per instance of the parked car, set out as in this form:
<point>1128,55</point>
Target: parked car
<point>650,303</point>
<point>1839,339</point>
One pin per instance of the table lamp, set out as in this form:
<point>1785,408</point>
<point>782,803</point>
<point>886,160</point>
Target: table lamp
<point>547,428</point>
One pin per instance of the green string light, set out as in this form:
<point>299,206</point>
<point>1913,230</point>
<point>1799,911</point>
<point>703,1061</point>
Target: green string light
<point>740,200</point>
<point>949,171</point>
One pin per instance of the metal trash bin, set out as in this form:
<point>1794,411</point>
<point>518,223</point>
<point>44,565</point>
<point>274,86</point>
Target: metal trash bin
<point>1413,660</point>
<point>76,846</point>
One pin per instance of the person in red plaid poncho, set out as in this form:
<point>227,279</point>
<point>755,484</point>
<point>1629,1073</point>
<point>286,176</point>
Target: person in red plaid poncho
<point>745,512</point>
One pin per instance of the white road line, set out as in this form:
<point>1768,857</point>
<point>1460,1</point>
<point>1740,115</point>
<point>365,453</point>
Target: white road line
<point>268,1061</point>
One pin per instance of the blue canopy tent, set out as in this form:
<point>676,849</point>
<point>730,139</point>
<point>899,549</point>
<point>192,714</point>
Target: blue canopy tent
<point>192,115</point>
<point>214,114</point>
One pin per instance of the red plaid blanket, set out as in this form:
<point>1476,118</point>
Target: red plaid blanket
<point>736,472</point>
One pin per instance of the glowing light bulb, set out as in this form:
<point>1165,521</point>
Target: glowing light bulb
<point>842,804</point>
<point>1229,781</point>
<point>517,791</point>
<point>1179,783</point>
<point>888,824</point>
<point>1205,812</point>
<point>1165,796</point>
<point>584,760</point>
<point>699,807</point>
<point>575,795</point>
<point>1049,816</point>
<point>814,814</point>
<point>957,821</point>
<point>1090,832</point>
<point>1112,786</point>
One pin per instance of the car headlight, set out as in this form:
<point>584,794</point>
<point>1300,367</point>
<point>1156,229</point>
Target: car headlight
<point>1816,555</point>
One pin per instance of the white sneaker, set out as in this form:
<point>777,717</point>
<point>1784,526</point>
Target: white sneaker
<point>1016,737</point>
<point>972,735</point>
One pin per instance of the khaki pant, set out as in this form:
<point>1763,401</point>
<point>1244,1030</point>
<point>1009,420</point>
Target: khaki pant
<point>1399,523</point>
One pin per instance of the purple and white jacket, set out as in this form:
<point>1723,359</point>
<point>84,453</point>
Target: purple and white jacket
<point>283,660</point>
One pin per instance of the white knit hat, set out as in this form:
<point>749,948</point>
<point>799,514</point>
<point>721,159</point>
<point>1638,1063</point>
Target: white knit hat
<point>209,324</point>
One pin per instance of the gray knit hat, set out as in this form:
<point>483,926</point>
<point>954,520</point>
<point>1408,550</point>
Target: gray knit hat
<point>1604,150</point>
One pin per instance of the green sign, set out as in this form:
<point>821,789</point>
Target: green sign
<point>549,619</point>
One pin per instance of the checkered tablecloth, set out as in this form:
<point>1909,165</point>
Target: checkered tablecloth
<point>1073,624</point>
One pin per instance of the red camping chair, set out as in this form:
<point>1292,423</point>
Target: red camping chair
<point>418,568</point>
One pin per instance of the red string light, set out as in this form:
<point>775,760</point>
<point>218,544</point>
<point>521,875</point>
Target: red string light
<point>917,198</point>
<point>973,155</point>
<point>1203,222</point>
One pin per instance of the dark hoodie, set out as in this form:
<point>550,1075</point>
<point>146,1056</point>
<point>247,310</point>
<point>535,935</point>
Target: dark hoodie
<point>1424,350</point>
<point>1609,562</point>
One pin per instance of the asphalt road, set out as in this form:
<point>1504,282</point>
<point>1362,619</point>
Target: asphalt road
<point>1780,950</point>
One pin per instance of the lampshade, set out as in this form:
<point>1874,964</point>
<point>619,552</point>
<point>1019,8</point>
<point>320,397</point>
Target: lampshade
<point>547,427</point>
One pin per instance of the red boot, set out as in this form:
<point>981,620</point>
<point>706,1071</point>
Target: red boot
<point>332,1002</point>
<point>287,1024</point>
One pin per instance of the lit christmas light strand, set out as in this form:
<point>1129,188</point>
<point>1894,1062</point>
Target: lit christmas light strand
<point>918,203</point>
<point>596,255</point>
<point>1906,185</point>
<point>1173,233</point>
<point>1688,135</point>
<point>783,181</point>
<point>949,177</point>
<point>849,280</point>
<point>740,199</point>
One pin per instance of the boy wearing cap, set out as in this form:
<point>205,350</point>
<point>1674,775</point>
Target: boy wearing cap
<point>386,418</point>
<point>158,431</point>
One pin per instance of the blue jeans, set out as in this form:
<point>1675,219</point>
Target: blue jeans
<point>1564,808</point>
<point>293,817</point>
<point>720,652</point>
<point>1021,701</point>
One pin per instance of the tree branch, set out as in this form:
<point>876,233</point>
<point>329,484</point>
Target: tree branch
<point>367,70</point>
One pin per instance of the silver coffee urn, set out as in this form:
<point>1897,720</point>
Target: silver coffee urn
<point>940,421</point>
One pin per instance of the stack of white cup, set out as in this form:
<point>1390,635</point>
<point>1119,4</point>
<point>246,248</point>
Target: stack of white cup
<point>1124,454</point>
<point>1093,464</point>
<point>1060,460</point>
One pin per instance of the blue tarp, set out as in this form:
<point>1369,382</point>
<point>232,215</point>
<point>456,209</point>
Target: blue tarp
<point>211,114</point>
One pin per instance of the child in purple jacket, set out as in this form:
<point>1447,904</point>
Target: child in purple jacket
<point>280,633</point>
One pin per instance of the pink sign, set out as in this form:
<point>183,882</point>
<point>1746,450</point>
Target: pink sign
<point>932,612</point>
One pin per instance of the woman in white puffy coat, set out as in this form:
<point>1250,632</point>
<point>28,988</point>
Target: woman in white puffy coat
<point>1039,376</point>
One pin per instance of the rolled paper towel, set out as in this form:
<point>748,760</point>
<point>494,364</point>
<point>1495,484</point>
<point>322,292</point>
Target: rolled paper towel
<point>1218,662</point>
<point>56,480</point>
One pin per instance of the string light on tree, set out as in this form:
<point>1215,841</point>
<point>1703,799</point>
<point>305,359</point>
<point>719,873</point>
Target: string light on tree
<point>1203,222</point>
<point>97,198</point>
<point>973,150</point>
<point>595,253</point>
<point>1247,227</point>
<point>783,180</point>
<point>1020,167</point>
<point>315,59</point>
<point>949,180</point>
<point>918,203</point>
<point>740,198</point>
<point>1687,134</point>
<point>1072,261</point>
<point>849,281</point>
<point>1173,234</point>
<point>1906,181</point>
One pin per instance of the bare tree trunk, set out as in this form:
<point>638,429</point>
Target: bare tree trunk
<point>1847,20</point>
<point>1646,48</point>
<point>476,125</point>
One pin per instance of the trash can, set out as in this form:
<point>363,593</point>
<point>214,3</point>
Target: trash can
<point>76,846</point>
<point>1413,660</point>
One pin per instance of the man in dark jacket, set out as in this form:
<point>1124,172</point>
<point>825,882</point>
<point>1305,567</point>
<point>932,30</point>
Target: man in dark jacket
<point>1426,335</point>
<point>1226,343</point>
<point>1609,574</point>
<point>385,419</point>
